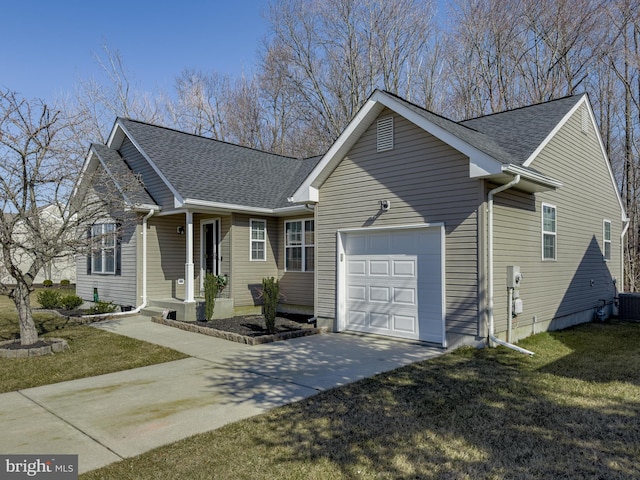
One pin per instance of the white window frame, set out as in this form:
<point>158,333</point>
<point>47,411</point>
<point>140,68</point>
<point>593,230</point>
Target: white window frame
<point>550,233</point>
<point>302,245</point>
<point>101,247</point>
<point>606,242</point>
<point>254,241</point>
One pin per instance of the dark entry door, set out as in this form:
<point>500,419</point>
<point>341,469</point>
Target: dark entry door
<point>212,247</point>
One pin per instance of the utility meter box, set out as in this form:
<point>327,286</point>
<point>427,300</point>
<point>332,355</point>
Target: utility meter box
<point>514,277</point>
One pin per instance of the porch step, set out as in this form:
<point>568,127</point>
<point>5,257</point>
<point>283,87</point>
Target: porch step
<point>152,311</point>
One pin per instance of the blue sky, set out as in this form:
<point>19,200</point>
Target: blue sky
<point>46,46</point>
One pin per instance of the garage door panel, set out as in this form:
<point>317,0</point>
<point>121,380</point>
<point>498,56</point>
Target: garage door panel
<point>379,267</point>
<point>356,267</point>
<point>394,283</point>
<point>380,294</point>
<point>405,323</point>
<point>406,296</point>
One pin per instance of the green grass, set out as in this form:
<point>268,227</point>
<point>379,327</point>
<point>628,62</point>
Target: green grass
<point>571,411</point>
<point>91,352</point>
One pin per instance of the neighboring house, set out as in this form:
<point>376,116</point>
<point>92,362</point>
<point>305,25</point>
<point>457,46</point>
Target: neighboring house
<point>62,268</point>
<point>418,219</point>
<point>406,227</point>
<point>208,207</point>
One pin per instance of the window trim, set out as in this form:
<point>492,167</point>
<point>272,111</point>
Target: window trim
<point>606,242</point>
<point>252,240</point>
<point>102,248</point>
<point>304,268</point>
<point>553,233</point>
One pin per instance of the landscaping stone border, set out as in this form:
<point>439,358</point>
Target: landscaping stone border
<point>57,345</point>
<point>234,337</point>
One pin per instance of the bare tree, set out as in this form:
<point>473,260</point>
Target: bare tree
<point>334,53</point>
<point>39,167</point>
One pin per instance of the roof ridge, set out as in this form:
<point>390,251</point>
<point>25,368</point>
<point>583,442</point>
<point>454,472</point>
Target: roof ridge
<point>149,124</point>
<point>522,107</point>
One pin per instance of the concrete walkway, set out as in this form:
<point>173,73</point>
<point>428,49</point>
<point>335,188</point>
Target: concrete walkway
<point>107,418</point>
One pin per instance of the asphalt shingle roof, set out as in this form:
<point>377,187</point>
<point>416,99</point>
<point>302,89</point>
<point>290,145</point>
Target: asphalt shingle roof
<point>510,136</point>
<point>205,169</point>
<point>135,191</point>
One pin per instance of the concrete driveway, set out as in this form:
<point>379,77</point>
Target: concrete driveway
<point>110,417</point>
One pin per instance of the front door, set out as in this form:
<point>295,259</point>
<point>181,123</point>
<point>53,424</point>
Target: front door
<point>209,249</point>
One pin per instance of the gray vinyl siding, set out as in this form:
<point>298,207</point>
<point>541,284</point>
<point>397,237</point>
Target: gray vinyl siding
<point>166,257</point>
<point>120,289</point>
<point>152,182</point>
<point>555,289</point>
<point>296,287</point>
<point>247,275</point>
<point>426,181</point>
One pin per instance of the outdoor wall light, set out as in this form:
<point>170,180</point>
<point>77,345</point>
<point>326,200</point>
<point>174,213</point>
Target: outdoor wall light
<point>385,205</point>
<point>180,230</point>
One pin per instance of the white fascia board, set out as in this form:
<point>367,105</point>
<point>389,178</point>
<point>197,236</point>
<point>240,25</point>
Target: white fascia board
<point>583,101</point>
<point>195,203</point>
<point>480,162</point>
<point>176,195</point>
<point>553,132</point>
<point>538,178</point>
<point>308,191</point>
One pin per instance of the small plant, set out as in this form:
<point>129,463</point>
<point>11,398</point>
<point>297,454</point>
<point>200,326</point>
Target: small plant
<point>101,307</point>
<point>71,302</point>
<point>49,299</point>
<point>64,283</point>
<point>271,297</point>
<point>213,284</point>
<point>47,283</point>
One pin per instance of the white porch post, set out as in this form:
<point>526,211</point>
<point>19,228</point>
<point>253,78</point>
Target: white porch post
<point>188,267</point>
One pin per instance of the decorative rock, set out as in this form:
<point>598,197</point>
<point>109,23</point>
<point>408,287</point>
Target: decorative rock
<point>55,345</point>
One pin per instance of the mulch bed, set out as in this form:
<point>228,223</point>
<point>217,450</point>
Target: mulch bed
<point>248,329</point>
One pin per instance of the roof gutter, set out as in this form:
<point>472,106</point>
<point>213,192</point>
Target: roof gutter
<point>492,338</point>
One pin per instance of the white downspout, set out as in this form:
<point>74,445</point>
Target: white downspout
<point>492,337</point>
<point>144,274</point>
<point>622,249</point>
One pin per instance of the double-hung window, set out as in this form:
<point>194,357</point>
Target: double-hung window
<point>103,254</point>
<point>258,240</point>
<point>299,249</point>
<point>606,236</point>
<point>549,233</point>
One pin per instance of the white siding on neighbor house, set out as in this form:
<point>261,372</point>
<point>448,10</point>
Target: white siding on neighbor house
<point>120,289</point>
<point>579,277</point>
<point>152,182</point>
<point>426,181</point>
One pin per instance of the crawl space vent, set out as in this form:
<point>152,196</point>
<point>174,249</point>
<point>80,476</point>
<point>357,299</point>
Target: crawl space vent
<point>385,134</point>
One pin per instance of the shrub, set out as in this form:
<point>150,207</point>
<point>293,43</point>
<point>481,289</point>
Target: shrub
<point>64,283</point>
<point>47,283</point>
<point>101,307</point>
<point>271,297</point>
<point>49,298</point>
<point>213,284</point>
<point>71,302</point>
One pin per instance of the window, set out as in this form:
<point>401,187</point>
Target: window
<point>606,235</point>
<point>548,232</point>
<point>103,255</point>
<point>299,252</point>
<point>258,240</point>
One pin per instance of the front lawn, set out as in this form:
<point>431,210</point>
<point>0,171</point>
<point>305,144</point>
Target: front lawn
<point>91,352</point>
<point>571,411</point>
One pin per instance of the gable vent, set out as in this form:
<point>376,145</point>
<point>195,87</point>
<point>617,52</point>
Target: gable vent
<point>585,119</point>
<point>385,134</point>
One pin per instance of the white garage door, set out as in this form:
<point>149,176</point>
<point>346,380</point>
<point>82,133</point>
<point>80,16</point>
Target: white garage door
<point>393,283</point>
